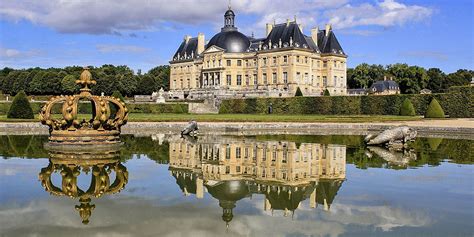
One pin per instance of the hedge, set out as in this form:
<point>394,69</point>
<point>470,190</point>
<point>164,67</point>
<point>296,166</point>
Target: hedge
<point>20,107</point>
<point>177,108</point>
<point>458,103</point>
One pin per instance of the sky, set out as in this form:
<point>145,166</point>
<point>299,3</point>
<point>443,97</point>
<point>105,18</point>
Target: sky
<point>143,34</point>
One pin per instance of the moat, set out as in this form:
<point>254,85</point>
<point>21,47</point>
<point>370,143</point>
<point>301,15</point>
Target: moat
<point>265,185</point>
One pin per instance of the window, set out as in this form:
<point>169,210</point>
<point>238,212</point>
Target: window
<point>229,80</point>
<point>306,78</point>
<point>227,169</point>
<point>306,60</point>
<point>274,78</point>
<point>239,63</point>
<point>265,82</point>
<point>255,81</point>
<point>229,63</point>
<point>237,152</point>
<point>220,63</point>
<point>298,77</point>
<point>227,152</point>
<point>335,81</point>
<point>325,81</point>
<point>335,64</point>
<point>189,83</point>
<point>285,59</point>
<point>237,169</point>
<point>247,80</point>
<point>274,60</point>
<point>264,61</point>
<point>213,63</point>
<point>285,77</point>
<point>297,59</point>
<point>208,63</point>
<point>239,80</point>
<point>325,64</point>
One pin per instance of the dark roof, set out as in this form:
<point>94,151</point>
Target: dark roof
<point>231,41</point>
<point>188,48</point>
<point>285,32</point>
<point>329,44</point>
<point>380,86</point>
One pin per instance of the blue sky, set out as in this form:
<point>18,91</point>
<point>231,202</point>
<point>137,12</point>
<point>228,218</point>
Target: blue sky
<point>145,33</point>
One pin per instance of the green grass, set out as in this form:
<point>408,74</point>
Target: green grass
<point>135,117</point>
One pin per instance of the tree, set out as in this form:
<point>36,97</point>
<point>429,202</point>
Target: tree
<point>146,85</point>
<point>161,74</point>
<point>434,110</point>
<point>298,92</point>
<point>436,78</point>
<point>20,107</point>
<point>68,85</point>
<point>20,83</point>
<point>459,78</point>
<point>407,108</point>
<point>118,95</point>
<point>326,93</point>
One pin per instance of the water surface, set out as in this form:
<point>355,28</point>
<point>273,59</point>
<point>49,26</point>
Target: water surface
<point>285,185</point>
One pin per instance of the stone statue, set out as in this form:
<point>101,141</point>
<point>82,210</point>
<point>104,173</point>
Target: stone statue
<point>395,157</point>
<point>190,129</point>
<point>158,97</point>
<point>398,136</point>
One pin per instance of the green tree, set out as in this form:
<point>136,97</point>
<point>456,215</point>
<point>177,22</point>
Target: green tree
<point>407,108</point>
<point>146,85</point>
<point>436,78</point>
<point>326,93</point>
<point>459,78</point>
<point>127,84</point>
<point>118,95</point>
<point>20,107</point>
<point>69,86</point>
<point>20,83</point>
<point>161,74</point>
<point>298,92</point>
<point>434,110</point>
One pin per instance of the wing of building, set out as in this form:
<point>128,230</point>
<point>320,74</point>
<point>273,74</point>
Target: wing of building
<point>233,65</point>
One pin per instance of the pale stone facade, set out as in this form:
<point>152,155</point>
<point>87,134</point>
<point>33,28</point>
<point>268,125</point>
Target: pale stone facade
<point>232,65</point>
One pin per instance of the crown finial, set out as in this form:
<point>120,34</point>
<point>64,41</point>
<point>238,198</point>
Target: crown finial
<point>85,80</point>
<point>230,4</point>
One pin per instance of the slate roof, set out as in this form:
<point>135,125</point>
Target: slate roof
<point>189,48</point>
<point>380,86</point>
<point>329,44</point>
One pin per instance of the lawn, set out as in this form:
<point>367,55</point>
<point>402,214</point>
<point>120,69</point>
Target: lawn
<point>136,117</point>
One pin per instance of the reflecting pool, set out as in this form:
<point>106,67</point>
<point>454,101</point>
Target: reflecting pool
<point>266,185</point>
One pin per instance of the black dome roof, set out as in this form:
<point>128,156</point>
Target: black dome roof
<point>230,41</point>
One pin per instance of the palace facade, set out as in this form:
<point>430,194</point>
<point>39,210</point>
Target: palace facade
<point>233,65</point>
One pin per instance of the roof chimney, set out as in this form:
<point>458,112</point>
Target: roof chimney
<point>287,22</point>
<point>301,27</point>
<point>328,28</point>
<point>314,35</point>
<point>269,28</point>
<point>201,42</point>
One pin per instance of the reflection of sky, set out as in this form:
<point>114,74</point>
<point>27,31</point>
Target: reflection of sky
<point>428,201</point>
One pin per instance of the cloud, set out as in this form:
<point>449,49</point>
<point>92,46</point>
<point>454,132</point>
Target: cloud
<point>110,16</point>
<point>9,53</point>
<point>439,56</point>
<point>386,13</point>
<point>115,48</point>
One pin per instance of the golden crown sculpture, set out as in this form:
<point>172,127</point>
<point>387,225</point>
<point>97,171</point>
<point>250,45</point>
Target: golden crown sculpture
<point>70,165</point>
<point>103,128</point>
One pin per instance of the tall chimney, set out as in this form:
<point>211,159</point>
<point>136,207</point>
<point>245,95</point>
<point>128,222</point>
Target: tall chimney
<point>201,42</point>
<point>314,35</point>
<point>269,28</point>
<point>328,28</point>
<point>301,27</point>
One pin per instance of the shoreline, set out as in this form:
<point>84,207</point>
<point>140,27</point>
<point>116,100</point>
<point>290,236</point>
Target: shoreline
<point>456,129</point>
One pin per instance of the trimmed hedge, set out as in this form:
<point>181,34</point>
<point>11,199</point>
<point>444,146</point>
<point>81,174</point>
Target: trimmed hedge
<point>407,108</point>
<point>434,110</point>
<point>85,108</point>
<point>457,104</point>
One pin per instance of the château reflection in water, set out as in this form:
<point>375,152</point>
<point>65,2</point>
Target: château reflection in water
<point>99,165</point>
<point>285,173</point>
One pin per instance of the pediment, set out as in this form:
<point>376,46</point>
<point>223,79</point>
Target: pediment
<point>213,49</point>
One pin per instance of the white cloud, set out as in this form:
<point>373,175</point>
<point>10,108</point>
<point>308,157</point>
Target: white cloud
<point>115,48</point>
<point>386,13</point>
<point>9,53</point>
<point>439,56</point>
<point>110,16</point>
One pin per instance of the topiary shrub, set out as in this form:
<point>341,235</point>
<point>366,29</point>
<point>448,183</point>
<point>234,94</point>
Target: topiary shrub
<point>20,107</point>
<point>434,110</point>
<point>407,108</point>
<point>326,93</point>
<point>298,92</point>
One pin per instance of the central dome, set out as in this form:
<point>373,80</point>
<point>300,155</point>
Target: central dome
<point>230,41</point>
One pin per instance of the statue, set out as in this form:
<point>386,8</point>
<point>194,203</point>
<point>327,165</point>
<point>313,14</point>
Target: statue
<point>191,129</point>
<point>399,157</point>
<point>160,99</point>
<point>395,137</point>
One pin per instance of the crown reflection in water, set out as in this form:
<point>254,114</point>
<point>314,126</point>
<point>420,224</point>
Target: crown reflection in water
<point>108,115</point>
<point>97,164</point>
